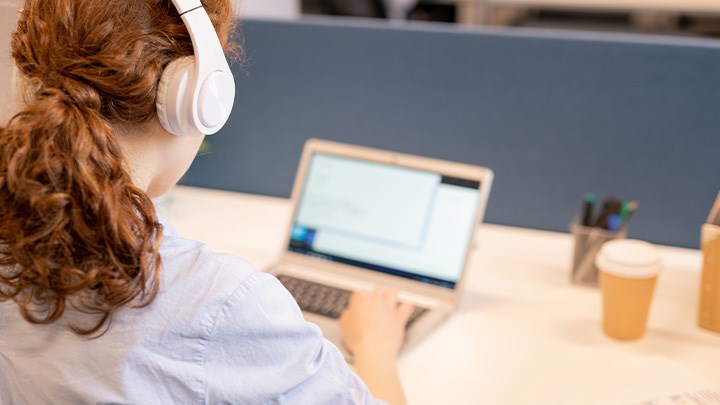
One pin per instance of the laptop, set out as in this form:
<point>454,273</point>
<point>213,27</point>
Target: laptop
<point>364,217</point>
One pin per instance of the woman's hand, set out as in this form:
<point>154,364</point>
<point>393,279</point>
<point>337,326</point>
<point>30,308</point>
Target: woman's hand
<point>374,324</point>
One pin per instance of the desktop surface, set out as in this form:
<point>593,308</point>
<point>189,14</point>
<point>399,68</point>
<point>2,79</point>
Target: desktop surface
<point>522,332</point>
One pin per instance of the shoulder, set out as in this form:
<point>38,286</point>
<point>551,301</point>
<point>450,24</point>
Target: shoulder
<point>189,264</point>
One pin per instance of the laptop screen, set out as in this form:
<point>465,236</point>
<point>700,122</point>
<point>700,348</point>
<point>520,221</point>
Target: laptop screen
<point>396,220</point>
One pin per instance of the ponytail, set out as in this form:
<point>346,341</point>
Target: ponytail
<point>72,224</point>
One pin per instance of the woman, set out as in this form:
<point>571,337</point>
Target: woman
<point>100,301</point>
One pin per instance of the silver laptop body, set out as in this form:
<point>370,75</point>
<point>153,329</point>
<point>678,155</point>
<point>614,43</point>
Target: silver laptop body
<point>364,217</point>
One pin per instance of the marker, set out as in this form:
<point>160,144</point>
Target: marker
<point>626,210</point>
<point>614,222</point>
<point>608,207</point>
<point>588,205</point>
<point>630,210</point>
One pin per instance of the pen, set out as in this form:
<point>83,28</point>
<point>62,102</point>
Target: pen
<point>626,210</point>
<point>588,205</point>
<point>610,206</point>
<point>614,222</point>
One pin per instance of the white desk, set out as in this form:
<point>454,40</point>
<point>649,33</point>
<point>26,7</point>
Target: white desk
<point>523,334</point>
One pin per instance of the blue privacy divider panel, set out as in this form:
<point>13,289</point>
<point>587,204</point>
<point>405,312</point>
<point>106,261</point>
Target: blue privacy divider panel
<point>554,114</point>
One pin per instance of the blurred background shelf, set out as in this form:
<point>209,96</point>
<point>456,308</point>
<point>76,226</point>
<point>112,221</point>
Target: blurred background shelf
<point>666,17</point>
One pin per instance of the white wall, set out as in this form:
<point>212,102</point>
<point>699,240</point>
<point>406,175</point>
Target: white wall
<point>282,9</point>
<point>8,16</point>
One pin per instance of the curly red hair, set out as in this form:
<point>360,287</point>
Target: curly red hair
<point>74,229</point>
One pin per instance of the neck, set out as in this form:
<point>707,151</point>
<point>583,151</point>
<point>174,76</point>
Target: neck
<point>141,150</point>
<point>155,158</point>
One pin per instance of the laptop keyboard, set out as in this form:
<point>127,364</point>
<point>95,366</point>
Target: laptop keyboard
<point>325,300</point>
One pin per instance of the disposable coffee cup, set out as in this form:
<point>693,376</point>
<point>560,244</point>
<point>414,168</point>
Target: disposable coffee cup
<point>628,272</point>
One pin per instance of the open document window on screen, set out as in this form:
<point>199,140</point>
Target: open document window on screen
<point>406,222</point>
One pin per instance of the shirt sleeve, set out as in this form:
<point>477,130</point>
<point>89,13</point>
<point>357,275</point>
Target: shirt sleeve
<point>261,350</point>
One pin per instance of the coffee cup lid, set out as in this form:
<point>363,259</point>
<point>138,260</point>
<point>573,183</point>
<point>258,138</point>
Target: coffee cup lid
<point>629,258</point>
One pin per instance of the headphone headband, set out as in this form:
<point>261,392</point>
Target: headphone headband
<point>183,6</point>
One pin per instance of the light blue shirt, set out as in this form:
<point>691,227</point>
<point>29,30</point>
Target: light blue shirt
<point>218,332</point>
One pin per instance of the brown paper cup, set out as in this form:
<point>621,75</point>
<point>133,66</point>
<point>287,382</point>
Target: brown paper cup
<point>628,273</point>
<point>626,304</point>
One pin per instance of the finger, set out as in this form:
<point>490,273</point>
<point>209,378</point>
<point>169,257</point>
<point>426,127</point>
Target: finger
<point>343,316</point>
<point>356,296</point>
<point>379,293</point>
<point>405,311</point>
<point>389,294</point>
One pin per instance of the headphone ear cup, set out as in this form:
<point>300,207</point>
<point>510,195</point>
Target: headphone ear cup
<point>174,98</point>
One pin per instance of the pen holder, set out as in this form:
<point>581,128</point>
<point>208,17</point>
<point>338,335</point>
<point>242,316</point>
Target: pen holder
<point>588,241</point>
<point>709,311</point>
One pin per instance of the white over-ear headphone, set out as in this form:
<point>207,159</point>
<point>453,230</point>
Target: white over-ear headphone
<point>196,93</point>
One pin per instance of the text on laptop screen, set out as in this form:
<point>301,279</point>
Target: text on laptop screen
<point>409,223</point>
